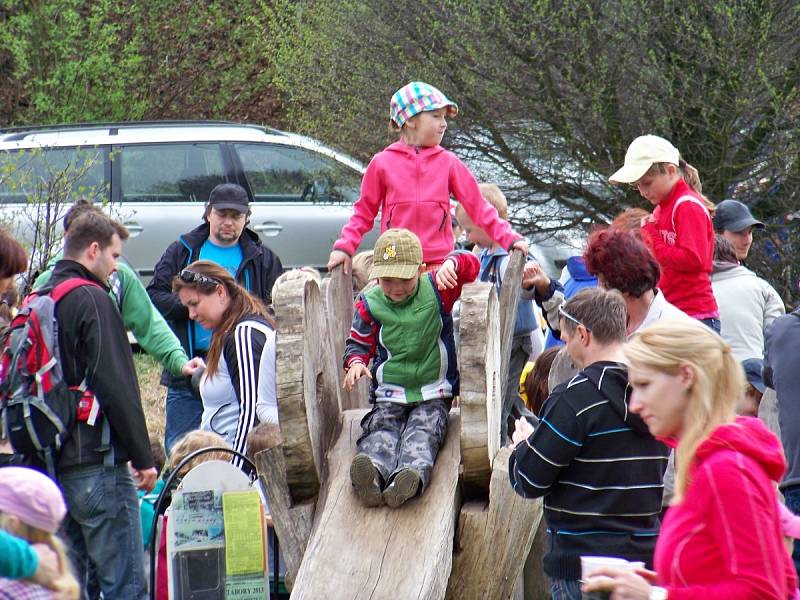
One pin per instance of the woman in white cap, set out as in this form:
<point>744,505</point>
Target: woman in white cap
<point>32,508</point>
<point>679,231</point>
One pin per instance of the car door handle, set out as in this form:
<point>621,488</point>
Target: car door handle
<point>270,228</point>
<point>134,229</point>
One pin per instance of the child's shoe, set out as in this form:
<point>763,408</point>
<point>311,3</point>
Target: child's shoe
<point>366,480</point>
<point>403,487</point>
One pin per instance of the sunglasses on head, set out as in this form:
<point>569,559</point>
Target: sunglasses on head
<point>569,317</point>
<point>188,276</point>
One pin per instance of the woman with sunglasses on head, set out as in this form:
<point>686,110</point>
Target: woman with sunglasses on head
<point>238,386</point>
<point>721,537</point>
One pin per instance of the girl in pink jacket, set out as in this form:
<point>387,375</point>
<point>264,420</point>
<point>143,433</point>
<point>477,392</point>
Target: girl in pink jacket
<point>410,182</point>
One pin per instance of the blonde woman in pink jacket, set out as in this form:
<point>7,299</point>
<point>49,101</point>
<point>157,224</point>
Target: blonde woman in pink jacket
<point>410,182</point>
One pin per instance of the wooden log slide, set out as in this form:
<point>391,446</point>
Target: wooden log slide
<point>381,553</point>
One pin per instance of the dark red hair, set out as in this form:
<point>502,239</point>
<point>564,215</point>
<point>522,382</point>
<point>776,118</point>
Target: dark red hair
<point>622,261</point>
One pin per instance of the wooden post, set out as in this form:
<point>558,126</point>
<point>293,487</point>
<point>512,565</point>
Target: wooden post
<point>492,542</point>
<point>509,300</point>
<point>481,387</point>
<point>338,299</point>
<point>292,522</point>
<point>306,382</point>
<point>381,553</point>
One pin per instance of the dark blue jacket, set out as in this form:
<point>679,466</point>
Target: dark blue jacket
<point>259,269</point>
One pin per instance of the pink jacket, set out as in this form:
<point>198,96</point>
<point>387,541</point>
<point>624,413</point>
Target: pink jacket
<point>724,540</point>
<point>411,187</point>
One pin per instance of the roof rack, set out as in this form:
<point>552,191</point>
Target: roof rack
<point>120,124</point>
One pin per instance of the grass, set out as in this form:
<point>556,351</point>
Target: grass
<point>153,393</point>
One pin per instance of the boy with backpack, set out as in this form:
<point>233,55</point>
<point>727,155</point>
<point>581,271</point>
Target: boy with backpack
<point>102,419</point>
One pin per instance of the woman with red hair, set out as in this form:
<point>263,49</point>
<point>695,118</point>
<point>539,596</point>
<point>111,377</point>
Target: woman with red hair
<point>621,261</point>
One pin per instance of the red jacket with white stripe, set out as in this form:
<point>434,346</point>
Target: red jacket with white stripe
<point>724,540</point>
<point>681,237</point>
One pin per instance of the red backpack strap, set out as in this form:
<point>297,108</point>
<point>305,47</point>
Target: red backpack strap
<point>65,287</point>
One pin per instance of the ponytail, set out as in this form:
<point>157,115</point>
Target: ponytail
<point>692,179</point>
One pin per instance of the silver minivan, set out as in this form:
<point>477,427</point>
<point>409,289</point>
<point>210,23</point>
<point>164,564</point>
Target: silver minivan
<point>156,178</point>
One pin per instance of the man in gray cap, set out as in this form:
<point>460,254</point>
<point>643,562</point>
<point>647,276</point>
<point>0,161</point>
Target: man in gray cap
<point>735,222</point>
<point>224,239</point>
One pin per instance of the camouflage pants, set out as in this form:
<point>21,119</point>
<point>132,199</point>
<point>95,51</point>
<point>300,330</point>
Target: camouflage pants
<point>397,436</point>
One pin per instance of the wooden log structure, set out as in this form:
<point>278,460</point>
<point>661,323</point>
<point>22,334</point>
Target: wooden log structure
<point>481,386</point>
<point>307,387</point>
<point>492,541</point>
<point>292,522</point>
<point>381,553</point>
<point>373,553</point>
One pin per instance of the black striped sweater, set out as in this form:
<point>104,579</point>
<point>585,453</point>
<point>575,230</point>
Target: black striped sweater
<point>598,468</point>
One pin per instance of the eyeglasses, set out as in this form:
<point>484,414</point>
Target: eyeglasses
<point>569,317</point>
<point>188,276</point>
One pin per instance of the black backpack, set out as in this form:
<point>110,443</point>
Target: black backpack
<point>37,407</point>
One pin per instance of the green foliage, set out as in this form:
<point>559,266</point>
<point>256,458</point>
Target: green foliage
<point>551,93</point>
<point>127,60</point>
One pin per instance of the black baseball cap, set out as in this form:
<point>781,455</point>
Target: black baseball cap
<point>732,215</point>
<point>229,195</point>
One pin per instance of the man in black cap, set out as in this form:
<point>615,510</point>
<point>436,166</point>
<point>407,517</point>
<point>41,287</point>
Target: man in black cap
<point>224,239</point>
<point>735,222</point>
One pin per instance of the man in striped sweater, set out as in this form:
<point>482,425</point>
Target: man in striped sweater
<point>597,466</point>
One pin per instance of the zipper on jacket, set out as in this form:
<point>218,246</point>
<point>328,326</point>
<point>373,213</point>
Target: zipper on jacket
<point>444,218</point>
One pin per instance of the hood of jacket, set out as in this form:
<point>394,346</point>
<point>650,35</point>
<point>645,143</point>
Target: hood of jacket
<point>750,437</point>
<point>577,269</point>
<point>410,150</point>
<point>611,379</point>
<point>722,271</point>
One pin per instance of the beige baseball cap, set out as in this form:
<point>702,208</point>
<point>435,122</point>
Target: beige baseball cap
<point>398,253</point>
<point>643,153</point>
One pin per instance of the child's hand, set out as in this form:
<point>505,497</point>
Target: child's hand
<point>446,277</point>
<point>522,430</point>
<point>337,258</point>
<point>522,246</point>
<point>356,371</point>
<point>534,276</point>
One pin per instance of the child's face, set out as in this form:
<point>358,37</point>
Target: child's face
<point>427,128</point>
<point>656,187</point>
<point>475,234</point>
<point>397,289</point>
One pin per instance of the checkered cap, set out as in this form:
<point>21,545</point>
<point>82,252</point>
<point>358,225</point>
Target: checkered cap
<point>417,97</point>
<point>398,253</point>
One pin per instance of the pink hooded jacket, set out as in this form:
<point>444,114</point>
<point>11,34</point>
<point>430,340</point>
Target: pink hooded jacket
<point>724,540</point>
<point>411,187</point>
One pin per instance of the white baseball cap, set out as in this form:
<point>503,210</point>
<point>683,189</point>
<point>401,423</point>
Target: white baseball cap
<point>643,153</point>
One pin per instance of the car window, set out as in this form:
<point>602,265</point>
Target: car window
<point>75,172</point>
<point>288,174</point>
<point>169,172</point>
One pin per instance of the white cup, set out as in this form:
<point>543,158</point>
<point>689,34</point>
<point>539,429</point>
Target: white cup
<point>590,564</point>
